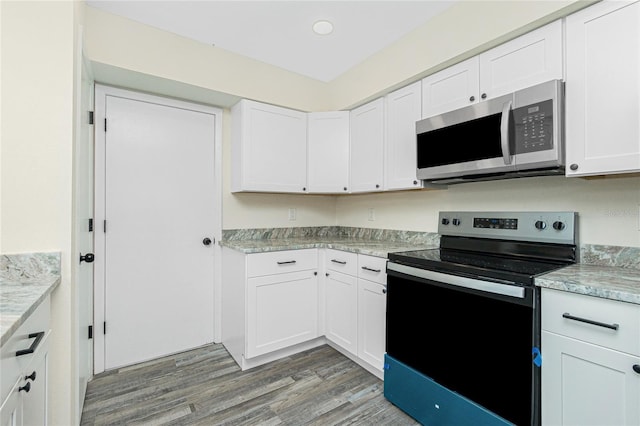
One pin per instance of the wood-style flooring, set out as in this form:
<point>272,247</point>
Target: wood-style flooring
<point>206,387</point>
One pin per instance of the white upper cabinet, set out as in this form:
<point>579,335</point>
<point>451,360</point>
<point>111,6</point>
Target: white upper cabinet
<point>530,59</point>
<point>328,152</point>
<point>525,61</point>
<point>451,88</point>
<point>603,89</point>
<point>269,148</point>
<point>403,108</point>
<point>367,147</point>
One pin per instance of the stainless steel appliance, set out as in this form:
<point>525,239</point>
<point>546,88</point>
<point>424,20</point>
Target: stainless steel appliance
<point>463,320</point>
<point>515,135</point>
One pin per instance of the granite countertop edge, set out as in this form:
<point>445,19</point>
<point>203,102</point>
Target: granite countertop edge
<point>26,280</point>
<point>41,289</point>
<point>607,282</point>
<point>368,247</point>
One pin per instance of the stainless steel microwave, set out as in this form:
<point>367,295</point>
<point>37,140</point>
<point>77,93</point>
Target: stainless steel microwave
<point>515,135</point>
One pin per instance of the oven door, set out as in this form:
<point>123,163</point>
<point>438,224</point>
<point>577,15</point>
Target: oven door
<point>474,337</point>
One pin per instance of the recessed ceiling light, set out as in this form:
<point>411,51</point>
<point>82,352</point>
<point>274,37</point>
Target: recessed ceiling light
<point>323,27</point>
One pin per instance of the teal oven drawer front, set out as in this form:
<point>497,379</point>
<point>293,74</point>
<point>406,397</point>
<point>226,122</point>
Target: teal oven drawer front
<point>430,403</point>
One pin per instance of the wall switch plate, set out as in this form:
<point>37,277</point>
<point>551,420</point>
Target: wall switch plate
<point>292,214</point>
<point>371,214</point>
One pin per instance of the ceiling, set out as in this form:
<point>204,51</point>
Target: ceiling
<point>280,32</point>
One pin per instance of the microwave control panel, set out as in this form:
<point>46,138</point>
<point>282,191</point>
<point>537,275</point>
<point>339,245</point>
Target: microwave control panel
<point>533,125</point>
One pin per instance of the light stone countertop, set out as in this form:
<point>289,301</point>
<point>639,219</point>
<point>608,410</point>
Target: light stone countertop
<point>25,282</point>
<point>609,282</point>
<point>362,246</point>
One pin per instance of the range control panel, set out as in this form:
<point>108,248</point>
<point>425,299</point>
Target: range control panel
<point>551,227</point>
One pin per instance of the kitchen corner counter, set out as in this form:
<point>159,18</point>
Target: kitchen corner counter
<point>608,282</point>
<point>372,242</point>
<point>361,246</point>
<point>25,282</point>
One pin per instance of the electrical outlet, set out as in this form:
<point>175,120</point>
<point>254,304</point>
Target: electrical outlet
<point>292,214</point>
<point>371,214</point>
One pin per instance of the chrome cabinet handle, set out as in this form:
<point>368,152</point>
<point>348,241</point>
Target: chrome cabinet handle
<point>340,262</point>
<point>636,368</point>
<point>592,322</point>
<point>288,262</point>
<point>38,336</point>
<point>370,269</point>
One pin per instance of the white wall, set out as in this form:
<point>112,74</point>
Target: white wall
<point>608,208</point>
<point>37,83</point>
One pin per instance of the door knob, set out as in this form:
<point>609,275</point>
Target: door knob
<point>86,258</point>
<point>207,241</point>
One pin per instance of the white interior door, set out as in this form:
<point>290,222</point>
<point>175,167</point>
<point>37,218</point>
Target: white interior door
<point>159,207</point>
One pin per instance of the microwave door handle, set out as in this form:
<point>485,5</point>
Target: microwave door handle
<point>504,133</point>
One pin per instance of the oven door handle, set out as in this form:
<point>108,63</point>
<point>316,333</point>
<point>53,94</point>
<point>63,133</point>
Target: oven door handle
<point>455,280</point>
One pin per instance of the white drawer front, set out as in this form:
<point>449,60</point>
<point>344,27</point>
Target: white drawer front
<point>342,261</point>
<point>278,262</point>
<point>12,366</point>
<point>372,268</point>
<point>570,314</point>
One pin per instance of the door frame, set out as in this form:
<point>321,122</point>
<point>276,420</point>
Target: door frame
<point>102,91</point>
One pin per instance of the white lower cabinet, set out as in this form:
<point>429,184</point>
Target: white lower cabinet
<point>24,378</point>
<point>282,310</point>
<point>355,307</point>
<point>341,319</point>
<point>591,351</point>
<point>270,305</point>
<point>372,305</point>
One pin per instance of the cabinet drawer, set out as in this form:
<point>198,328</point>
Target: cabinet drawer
<point>342,261</point>
<point>13,366</point>
<point>277,262</point>
<point>372,268</point>
<point>569,314</point>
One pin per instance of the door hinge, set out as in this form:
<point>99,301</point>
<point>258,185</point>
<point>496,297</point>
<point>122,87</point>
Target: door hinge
<point>104,328</point>
<point>104,225</point>
<point>90,224</point>
<point>105,124</point>
<point>90,332</point>
<point>90,117</point>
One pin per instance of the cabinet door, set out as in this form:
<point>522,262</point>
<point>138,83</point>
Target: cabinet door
<point>35,401</point>
<point>282,310</point>
<point>403,108</point>
<point>454,87</point>
<point>367,147</point>
<point>269,148</point>
<point>11,408</point>
<point>372,305</point>
<point>585,384</point>
<point>328,152</point>
<point>341,305</point>
<point>528,60</point>
<point>603,89</point>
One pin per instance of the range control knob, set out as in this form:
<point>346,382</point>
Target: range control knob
<point>445,221</point>
<point>540,224</point>
<point>456,222</point>
<point>558,226</point>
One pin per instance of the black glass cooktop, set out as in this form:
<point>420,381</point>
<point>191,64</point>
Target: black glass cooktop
<point>518,262</point>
